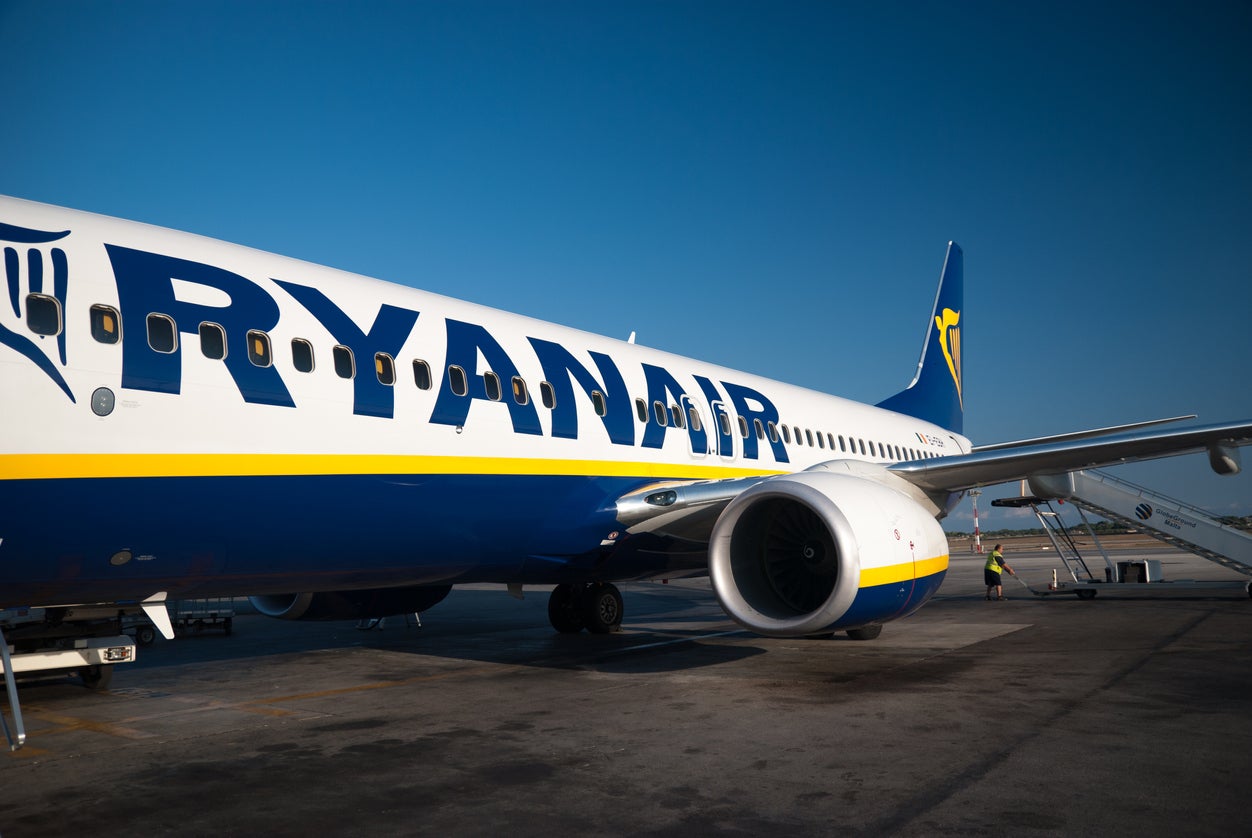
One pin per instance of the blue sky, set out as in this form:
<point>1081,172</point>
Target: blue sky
<point>769,186</point>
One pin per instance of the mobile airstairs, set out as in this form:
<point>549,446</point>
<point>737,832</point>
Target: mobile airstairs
<point>1172,521</point>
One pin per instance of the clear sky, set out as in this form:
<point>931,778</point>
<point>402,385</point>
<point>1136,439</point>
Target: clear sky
<point>766,185</point>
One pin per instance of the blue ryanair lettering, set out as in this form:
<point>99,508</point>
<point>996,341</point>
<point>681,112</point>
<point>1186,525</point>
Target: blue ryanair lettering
<point>392,327</point>
<point>664,388</point>
<point>725,436</point>
<point>562,370</point>
<point>145,285</point>
<point>743,398</point>
<point>465,342</point>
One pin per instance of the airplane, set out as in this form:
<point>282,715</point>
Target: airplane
<point>188,418</point>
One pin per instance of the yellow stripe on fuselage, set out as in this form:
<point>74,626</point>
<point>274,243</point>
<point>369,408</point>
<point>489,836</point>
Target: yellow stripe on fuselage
<point>74,466</point>
<point>872,576</point>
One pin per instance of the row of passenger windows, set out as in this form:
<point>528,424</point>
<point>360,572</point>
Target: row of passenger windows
<point>789,434</point>
<point>43,317</point>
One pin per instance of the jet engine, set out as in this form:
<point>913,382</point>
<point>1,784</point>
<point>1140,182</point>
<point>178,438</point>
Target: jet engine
<point>820,550</point>
<point>350,605</point>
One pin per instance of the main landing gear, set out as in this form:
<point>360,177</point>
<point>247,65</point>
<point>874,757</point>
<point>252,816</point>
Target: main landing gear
<point>594,606</point>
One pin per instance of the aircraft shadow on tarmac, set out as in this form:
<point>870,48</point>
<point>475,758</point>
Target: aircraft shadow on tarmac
<point>663,631</point>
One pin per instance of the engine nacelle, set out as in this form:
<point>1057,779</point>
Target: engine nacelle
<point>350,605</point>
<point>820,550</point>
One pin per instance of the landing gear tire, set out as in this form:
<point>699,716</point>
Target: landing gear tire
<point>865,632</point>
<point>1085,594</point>
<point>563,611</point>
<point>97,677</point>
<point>601,607</point>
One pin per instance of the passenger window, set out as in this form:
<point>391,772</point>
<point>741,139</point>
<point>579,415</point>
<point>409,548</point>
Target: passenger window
<point>821,443</point>
<point>677,413</point>
<point>861,442</point>
<point>259,349</point>
<point>773,432</point>
<point>842,446</point>
<point>162,333</point>
<point>760,429</point>
<point>301,355</point>
<point>547,395</point>
<point>786,434</point>
<point>385,369</point>
<point>696,424</point>
<point>520,394</point>
<point>743,427</point>
<point>808,435</point>
<point>43,313</point>
<point>345,362</point>
<point>597,400</point>
<point>641,410</point>
<point>491,382</point>
<point>105,324</point>
<point>724,420</point>
<point>831,439</point>
<point>212,341</point>
<point>457,380</point>
<point>658,410</point>
<point>421,375</point>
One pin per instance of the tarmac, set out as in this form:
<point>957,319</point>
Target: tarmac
<point>1130,714</point>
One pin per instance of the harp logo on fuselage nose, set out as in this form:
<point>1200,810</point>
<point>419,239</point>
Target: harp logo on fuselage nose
<point>25,279</point>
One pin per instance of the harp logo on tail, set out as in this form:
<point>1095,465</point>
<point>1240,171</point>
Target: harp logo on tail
<point>950,342</point>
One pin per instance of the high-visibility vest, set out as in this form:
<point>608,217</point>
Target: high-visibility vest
<point>992,564</point>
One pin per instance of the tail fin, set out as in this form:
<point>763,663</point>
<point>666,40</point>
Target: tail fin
<point>935,393</point>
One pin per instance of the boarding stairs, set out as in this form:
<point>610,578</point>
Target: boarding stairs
<point>1172,521</point>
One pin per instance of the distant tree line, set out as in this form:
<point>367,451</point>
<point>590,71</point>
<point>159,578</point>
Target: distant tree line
<point>1241,522</point>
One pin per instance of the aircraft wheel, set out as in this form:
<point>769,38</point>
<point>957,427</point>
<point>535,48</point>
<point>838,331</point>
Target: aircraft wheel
<point>1082,594</point>
<point>562,610</point>
<point>97,677</point>
<point>865,632</point>
<point>601,607</point>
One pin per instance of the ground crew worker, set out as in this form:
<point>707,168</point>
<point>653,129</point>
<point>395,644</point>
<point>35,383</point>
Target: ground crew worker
<point>991,572</point>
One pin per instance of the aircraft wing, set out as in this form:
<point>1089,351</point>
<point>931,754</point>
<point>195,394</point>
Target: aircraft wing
<point>995,464</point>
<point>688,510</point>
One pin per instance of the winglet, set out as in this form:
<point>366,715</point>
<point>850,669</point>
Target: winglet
<point>935,394</point>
